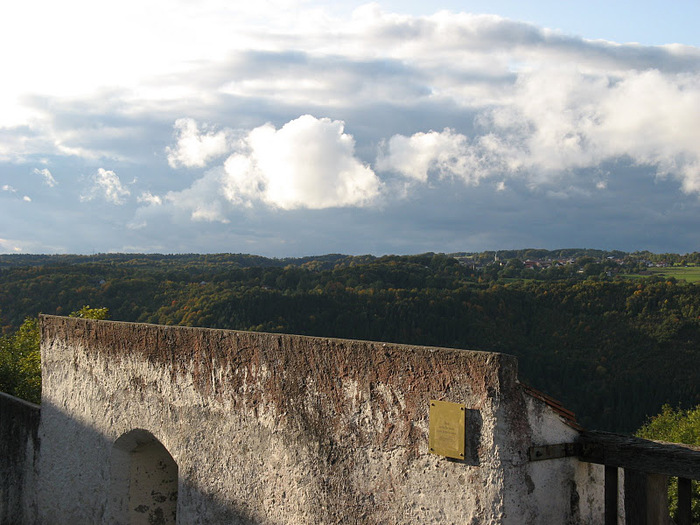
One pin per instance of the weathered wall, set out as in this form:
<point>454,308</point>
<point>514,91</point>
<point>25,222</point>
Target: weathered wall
<point>566,487</point>
<point>272,428</point>
<point>19,445</point>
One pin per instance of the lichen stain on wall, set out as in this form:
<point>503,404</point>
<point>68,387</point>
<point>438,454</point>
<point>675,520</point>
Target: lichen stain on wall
<point>309,381</point>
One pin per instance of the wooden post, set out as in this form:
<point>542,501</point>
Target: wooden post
<point>610,495</point>
<point>684,495</point>
<point>645,464</point>
<point>657,499</point>
<point>635,497</point>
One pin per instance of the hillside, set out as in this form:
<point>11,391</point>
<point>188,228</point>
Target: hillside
<point>612,349</point>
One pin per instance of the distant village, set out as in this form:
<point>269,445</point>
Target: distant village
<point>590,262</point>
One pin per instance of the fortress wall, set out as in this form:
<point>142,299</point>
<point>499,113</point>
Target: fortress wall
<point>19,446</point>
<point>564,487</point>
<point>269,428</point>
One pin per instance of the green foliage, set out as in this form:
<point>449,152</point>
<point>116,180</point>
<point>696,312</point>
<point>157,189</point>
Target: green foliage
<point>20,362</point>
<point>676,426</point>
<point>91,313</point>
<point>613,350</point>
<point>20,356</point>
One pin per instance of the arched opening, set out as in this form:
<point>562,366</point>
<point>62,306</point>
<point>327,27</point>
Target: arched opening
<point>144,481</point>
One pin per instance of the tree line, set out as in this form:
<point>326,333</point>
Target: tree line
<point>611,349</point>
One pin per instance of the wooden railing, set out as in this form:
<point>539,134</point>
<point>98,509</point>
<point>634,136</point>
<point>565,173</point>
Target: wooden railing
<point>647,466</point>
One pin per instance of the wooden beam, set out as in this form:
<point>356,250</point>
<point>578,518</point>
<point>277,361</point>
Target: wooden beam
<point>684,497</point>
<point>560,450</point>
<point>634,453</point>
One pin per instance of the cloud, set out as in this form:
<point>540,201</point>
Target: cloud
<point>10,246</point>
<point>432,112</point>
<point>306,77</point>
<point>466,41</point>
<point>307,163</point>
<point>48,178</point>
<point>445,153</point>
<point>457,62</point>
<point>106,185</point>
<point>10,189</point>
<point>149,198</point>
<point>203,200</point>
<point>562,120</point>
<point>195,148</point>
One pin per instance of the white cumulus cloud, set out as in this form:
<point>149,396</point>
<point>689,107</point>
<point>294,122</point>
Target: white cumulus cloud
<point>106,184</point>
<point>308,163</point>
<point>195,147</point>
<point>445,153</point>
<point>562,120</point>
<point>565,120</point>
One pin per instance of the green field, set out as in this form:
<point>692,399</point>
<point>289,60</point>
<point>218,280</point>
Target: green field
<point>690,273</point>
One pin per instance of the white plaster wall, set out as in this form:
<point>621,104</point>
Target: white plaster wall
<point>565,490</point>
<point>226,456</point>
<point>339,447</point>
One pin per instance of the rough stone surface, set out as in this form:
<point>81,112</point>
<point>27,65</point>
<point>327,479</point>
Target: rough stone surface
<point>19,446</point>
<point>269,428</point>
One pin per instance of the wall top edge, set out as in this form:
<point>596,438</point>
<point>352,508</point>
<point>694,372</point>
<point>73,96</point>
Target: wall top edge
<point>54,323</point>
<point>19,401</point>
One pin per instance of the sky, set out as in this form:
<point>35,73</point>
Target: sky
<point>302,127</point>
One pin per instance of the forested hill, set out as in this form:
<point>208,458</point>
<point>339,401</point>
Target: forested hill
<point>613,349</point>
<point>185,261</point>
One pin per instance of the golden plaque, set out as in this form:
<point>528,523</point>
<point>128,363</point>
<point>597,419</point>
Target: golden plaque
<point>447,428</point>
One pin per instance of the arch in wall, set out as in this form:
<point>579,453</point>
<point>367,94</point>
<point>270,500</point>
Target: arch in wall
<point>144,481</point>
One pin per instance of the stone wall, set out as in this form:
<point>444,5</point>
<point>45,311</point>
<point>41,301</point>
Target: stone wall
<point>19,446</point>
<point>268,428</point>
